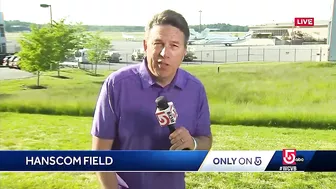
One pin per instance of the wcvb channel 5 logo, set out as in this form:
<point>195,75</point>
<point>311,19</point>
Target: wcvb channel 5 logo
<point>289,157</point>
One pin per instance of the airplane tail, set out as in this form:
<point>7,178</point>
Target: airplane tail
<point>192,31</point>
<point>248,35</point>
<point>205,32</point>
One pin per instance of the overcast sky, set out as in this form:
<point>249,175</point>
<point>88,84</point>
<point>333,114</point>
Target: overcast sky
<point>138,12</point>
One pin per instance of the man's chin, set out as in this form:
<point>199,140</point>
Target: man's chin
<point>160,74</point>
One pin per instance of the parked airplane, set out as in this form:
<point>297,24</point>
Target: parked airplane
<point>227,40</point>
<point>195,36</point>
<point>128,37</point>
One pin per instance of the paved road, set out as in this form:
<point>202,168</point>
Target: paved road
<point>6,73</point>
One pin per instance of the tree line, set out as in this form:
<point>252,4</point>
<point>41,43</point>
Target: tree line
<point>19,26</point>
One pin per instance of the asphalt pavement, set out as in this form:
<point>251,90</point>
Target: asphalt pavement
<point>6,73</point>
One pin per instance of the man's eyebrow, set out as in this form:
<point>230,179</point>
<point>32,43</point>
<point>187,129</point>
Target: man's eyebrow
<point>176,42</point>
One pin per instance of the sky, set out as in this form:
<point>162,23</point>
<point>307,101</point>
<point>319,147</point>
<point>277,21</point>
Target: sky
<point>139,12</point>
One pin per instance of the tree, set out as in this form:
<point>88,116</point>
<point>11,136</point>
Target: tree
<point>97,47</point>
<point>36,50</point>
<point>67,38</point>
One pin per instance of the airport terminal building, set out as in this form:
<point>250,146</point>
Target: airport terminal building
<point>319,31</point>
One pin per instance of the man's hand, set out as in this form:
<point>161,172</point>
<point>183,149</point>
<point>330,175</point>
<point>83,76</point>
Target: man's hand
<point>181,139</point>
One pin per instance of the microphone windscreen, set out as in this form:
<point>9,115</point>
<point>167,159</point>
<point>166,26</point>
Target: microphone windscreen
<point>161,103</point>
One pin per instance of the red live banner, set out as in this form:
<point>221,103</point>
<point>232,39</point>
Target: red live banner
<point>304,21</point>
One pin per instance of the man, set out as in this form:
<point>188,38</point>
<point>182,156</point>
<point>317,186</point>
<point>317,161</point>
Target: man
<point>125,112</point>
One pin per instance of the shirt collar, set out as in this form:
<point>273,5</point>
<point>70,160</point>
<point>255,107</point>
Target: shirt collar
<point>147,80</point>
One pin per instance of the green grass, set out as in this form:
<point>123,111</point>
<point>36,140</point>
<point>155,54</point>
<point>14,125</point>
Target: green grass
<point>287,94</point>
<point>37,132</point>
<point>274,94</point>
<point>77,94</point>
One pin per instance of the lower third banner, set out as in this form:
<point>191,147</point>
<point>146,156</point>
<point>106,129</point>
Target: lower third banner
<point>167,161</point>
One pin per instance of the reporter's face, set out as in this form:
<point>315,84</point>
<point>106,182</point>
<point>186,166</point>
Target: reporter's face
<point>165,50</point>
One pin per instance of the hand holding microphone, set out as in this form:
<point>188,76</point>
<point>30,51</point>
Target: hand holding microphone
<point>180,138</point>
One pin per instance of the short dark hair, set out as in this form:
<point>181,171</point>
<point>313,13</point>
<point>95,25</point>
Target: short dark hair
<point>170,17</point>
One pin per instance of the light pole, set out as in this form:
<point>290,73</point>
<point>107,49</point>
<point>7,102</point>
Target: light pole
<point>51,25</point>
<point>46,6</point>
<point>200,24</point>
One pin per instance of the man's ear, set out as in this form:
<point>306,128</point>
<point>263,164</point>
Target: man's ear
<point>145,45</point>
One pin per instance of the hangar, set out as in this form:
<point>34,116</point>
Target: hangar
<point>319,31</point>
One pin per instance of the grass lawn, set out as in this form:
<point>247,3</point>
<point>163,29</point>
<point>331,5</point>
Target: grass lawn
<point>27,131</point>
<point>276,94</point>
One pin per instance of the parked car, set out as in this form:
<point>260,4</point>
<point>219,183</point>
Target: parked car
<point>14,62</point>
<point>5,61</point>
<point>190,56</point>
<point>113,56</point>
<point>138,54</point>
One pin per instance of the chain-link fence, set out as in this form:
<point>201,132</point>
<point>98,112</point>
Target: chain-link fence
<point>264,54</point>
<point>253,54</point>
<point>236,54</point>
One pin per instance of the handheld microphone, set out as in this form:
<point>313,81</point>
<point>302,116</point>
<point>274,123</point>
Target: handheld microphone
<point>166,114</point>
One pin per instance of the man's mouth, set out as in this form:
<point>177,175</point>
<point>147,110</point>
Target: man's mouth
<point>160,63</point>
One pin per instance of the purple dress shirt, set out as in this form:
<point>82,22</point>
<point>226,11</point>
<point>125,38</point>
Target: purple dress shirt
<point>125,112</point>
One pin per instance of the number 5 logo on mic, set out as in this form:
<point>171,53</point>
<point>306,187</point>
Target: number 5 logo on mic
<point>167,116</point>
<point>288,156</point>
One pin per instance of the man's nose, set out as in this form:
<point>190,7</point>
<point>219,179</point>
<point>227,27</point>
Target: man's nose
<point>163,51</point>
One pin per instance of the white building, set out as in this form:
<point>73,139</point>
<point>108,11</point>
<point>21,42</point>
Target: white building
<point>320,30</point>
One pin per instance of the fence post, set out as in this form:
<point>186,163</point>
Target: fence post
<point>279,55</point>
<point>311,55</point>
<point>263,54</point>
<point>320,54</point>
<point>201,57</point>
<point>295,55</point>
<point>248,54</point>
<point>213,56</point>
<point>237,55</point>
<point>225,55</point>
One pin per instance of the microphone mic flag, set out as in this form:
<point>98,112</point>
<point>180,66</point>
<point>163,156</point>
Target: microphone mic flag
<point>166,114</point>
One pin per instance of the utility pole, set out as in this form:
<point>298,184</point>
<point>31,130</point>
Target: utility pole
<point>200,24</point>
